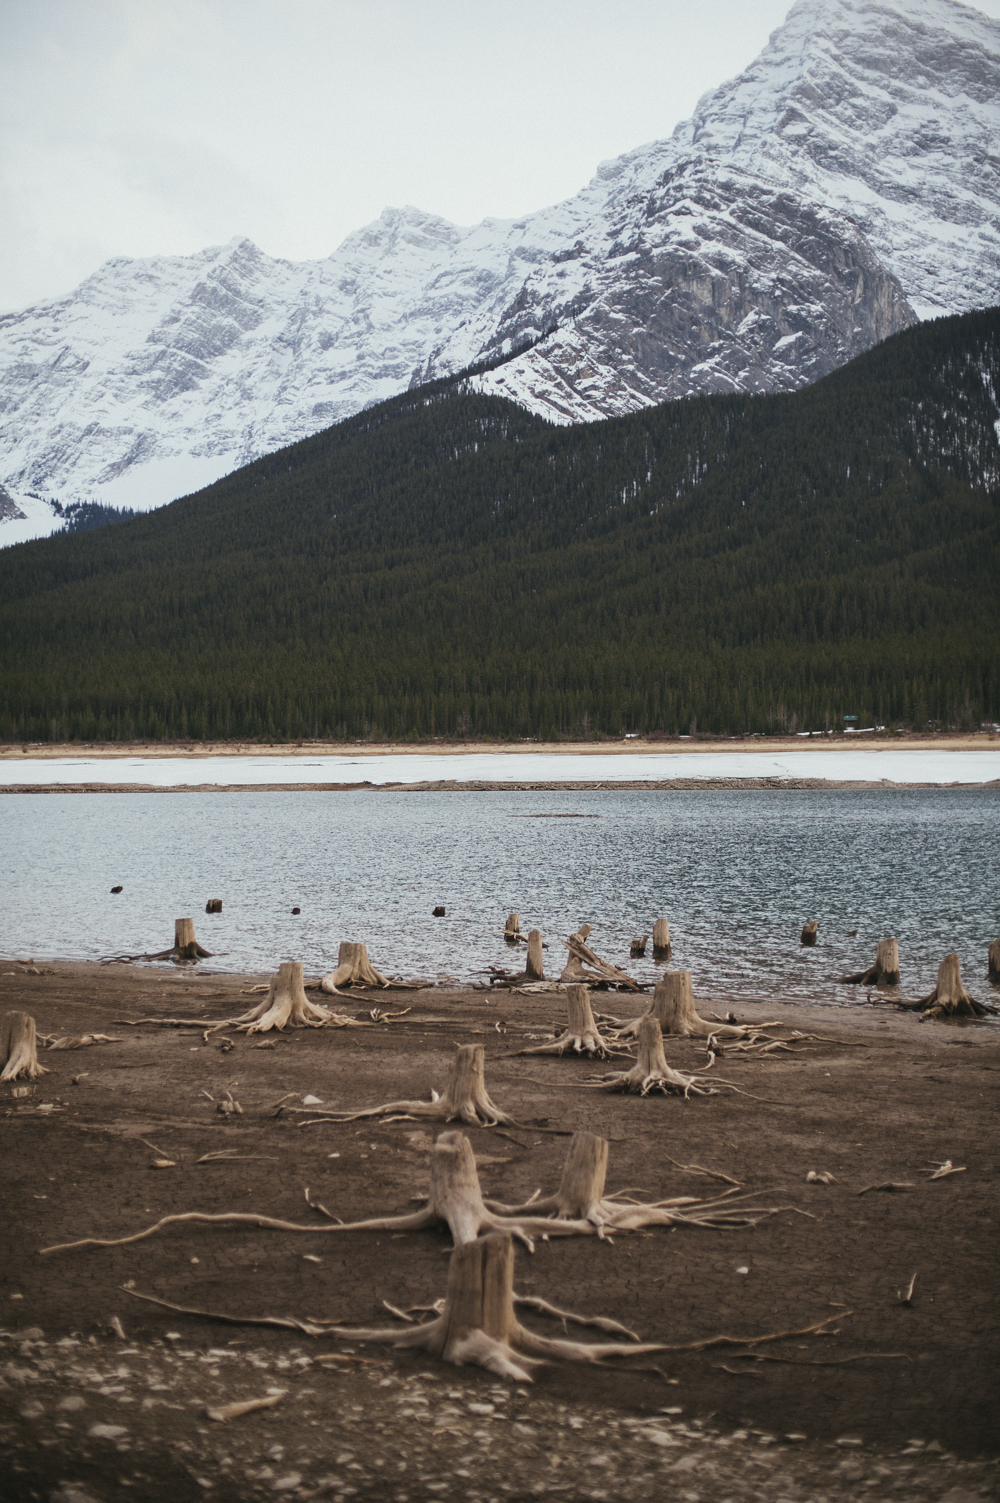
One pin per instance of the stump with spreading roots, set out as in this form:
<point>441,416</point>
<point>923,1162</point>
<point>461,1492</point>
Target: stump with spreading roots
<point>285,1006</point>
<point>662,947</point>
<point>479,1326</point>
<point>582,1035</point>
<point>993,960</point>
<point>672,1006</point>
<point>465,1099</point>
<point>353,969</point>
<point>185,946</point>
<point>19,1048</point>
<point>949,998</point>
<point>534,970</point>
<point>456,1199</point>
<point>885,971</point>
<point>810,930</point>
<point>651,1071</point>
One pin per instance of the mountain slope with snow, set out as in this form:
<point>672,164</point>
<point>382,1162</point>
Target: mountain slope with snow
<point>845,183</point>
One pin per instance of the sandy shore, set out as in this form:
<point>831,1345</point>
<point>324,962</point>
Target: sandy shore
<point>14,751</point>
<point>897,1402</point>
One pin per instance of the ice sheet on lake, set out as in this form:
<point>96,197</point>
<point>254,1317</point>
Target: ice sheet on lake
<point>868,765</point>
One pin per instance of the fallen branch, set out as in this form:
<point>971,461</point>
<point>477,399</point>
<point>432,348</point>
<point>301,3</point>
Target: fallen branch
<point>224,1412</point>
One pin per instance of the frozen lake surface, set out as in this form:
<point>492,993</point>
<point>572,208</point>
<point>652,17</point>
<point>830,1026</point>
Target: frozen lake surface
<point>858,764</point>
<point>736,872</point>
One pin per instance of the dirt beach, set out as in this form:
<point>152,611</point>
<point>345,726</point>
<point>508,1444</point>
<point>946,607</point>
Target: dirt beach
<point>104,1396</point>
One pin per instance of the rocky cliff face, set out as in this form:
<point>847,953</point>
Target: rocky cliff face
<point>847,182</point>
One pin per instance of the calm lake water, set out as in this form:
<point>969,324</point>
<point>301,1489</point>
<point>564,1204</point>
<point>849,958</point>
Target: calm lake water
<point>736,874</point>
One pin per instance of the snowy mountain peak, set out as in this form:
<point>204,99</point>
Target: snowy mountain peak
<point>845,182</point>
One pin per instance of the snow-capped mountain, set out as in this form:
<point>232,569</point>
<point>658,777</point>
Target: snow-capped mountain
<point>847,182</point>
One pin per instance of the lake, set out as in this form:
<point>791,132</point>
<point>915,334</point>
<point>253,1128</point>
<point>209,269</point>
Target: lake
<point>735,872</point>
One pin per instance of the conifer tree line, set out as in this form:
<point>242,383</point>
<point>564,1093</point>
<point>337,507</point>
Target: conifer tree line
<point>446,564</point>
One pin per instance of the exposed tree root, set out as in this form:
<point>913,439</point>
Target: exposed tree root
<point>672,1005</point>
<point>18,1048</point>
<point>75,1041</point>
<point>465,1099</point>
<point>885,971</point>
<point>651,1072</point>
<point>285,1006</point>
<point>581,1035</point>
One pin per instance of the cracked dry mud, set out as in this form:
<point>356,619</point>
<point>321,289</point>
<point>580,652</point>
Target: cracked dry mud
<point>88,1414</point>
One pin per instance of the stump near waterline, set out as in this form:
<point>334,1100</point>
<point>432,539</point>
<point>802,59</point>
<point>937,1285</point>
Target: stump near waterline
<point>672,1005</point>
<point>885,971</point>
<point>587,968</point>
<point>661,940</point>
<point>949,997</point>
<point>185,946</point>
<point>353,969</point>
<point>993,960</point>
<point>19,1047</point>
<point>810,930</point>
<point>512,929</point>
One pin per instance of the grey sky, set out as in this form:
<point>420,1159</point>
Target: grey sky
<point>134,127</point>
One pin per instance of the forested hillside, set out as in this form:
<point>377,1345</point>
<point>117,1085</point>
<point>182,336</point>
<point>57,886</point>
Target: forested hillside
<point>447,564</point>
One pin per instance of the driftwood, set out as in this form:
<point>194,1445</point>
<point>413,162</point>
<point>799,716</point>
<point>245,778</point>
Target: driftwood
<point>672,1005</point>
<point>581,1035</point>
<point>651,1071</point>
<point>993,960</point>
<point>465,1099</point>
<point>18,1047</point>
<point>662,948</point>
<point>810,930</point>
<point>587,969</point>
<point>456,1199</point>
<point>75,1041</point>
<point>949,997</point>
<point>885,971</point>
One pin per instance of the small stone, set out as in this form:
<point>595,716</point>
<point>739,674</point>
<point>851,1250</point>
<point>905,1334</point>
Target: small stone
<point>848,1440</point>
<point>33,1333</point>
<point>72,1402</point>
<point>286,1483</point>
<point>107,1432</point>
<point>32,1411</point>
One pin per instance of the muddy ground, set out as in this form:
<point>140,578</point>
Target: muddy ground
<point>899,1402</point>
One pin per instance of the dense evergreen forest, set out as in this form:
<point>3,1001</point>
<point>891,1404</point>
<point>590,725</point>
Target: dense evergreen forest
<point>446,564</point>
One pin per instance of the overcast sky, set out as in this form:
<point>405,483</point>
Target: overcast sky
<point>135,127</point>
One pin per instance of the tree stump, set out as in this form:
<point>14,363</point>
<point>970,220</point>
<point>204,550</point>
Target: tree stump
<point>662,948</point>
<point>19,1047</point>
<point>885,971</point>
<point>651,1071</point>
<point>185,946</point>
<point>637,948</point>
<point>534,969</point>
<point>465,1099</point>
<point>672,1006</point>
<point>809,932</point>
<point>949,998</point>
<point>353,969</point>
<point>438,912</point>
<point>587,968</point>
<point>285,1006</point>
<point>214,905</point>
<point>479,1326</point>
<point>512,929</point>
<point>993,960</point>
<point>581,1034</point>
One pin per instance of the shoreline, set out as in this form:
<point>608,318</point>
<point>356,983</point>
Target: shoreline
<point>895,1397</point>
<point>661,785</point>
<point>841,741</point>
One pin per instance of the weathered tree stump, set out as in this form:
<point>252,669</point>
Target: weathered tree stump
<point>353,969</point>
<point>19,1047</point>
<point>885,971</point>
<point>672,1005</point>
<point>588,969</point>
<point>214,905</point>
<point>651,1071</point>
<point>582,1034</point>
<point>637,948</point>
<point>117,889</point>
<point>993,960</point>
<point>534,971</point>
<point>285,1006</point>
<point>465,1099</point>
<point>185,946</point>
<point>479,1326</point>
<point>810,930</point>
<point>456,1199</point>
<point>662,948</point>
<point>512,929</point>
<point>438,912</point>
<point>534,967</point>
<point>949,997</point>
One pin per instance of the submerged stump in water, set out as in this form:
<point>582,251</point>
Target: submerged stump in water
<point>993,960</point>
<point>885,971</point>
<point>662,948</point>
<point>809,932</point>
